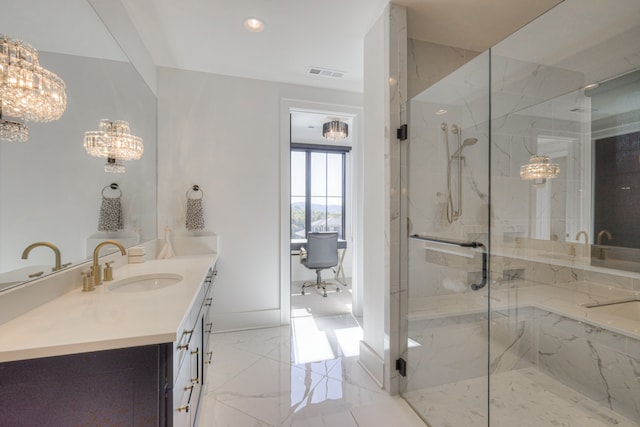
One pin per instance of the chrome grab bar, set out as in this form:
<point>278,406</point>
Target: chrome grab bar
<point>463,244</point>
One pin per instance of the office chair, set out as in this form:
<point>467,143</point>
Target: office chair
<point>321,253</point>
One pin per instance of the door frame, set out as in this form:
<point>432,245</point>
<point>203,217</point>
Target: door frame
<point>355,230</point>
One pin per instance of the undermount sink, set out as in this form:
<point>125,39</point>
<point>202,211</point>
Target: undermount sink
<point>627,309</point>
<point>145,282</point>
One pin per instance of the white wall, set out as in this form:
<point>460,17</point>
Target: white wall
<point>385,91</point>
<point>223,133</point>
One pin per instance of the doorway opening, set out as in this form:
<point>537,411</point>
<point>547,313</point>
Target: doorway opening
<point>321,194</point>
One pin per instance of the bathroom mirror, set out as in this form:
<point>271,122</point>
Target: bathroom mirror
<point>615,130</point>
<point>50,188</point>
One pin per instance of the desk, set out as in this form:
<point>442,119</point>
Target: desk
<point>296,244</point>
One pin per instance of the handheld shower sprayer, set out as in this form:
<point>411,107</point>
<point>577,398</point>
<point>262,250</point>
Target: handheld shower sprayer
<point>454,214</point>
<point>467,142</point>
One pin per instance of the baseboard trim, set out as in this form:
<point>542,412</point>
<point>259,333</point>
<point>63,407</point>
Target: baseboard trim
<point>225,322</point>
<point>372,363</point>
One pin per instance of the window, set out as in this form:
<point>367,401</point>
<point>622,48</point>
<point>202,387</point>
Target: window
<point>317,189</point>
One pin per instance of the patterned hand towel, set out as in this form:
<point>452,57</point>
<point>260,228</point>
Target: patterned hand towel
<point>195,215</point>
<point>110,214</point>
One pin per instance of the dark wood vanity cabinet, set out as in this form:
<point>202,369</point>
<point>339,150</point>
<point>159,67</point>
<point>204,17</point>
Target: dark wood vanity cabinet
<point>152,385</point>
<point>122,387</point>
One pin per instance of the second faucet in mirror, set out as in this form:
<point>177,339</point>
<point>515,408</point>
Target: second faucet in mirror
<point>54,248</point>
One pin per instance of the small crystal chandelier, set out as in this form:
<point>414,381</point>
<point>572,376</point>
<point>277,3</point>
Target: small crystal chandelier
<point>539,169</point>
<point>335,130</point>
<point>27,90</point>
<point>13,131</point>
<point>115,143</point>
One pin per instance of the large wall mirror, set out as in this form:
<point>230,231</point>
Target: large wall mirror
<point>50,189</point>
<point>593,135</point>
<point>616,171</point>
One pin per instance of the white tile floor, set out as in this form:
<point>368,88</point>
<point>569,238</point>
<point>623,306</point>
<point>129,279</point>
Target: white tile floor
<point>305,374</point>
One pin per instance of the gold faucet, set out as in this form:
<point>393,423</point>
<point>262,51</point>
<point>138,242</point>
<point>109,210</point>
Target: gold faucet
<point>586,236</point>
<point>97,269</point>
<point>55,249</point>
<point>601,253</point>
<point>585,251</point>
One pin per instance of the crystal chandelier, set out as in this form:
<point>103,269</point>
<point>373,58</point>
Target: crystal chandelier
<point>27,90</point>
<point>539,169</point>
<point>335,130</point>
<point>13,131</point>
<point>115,143</point>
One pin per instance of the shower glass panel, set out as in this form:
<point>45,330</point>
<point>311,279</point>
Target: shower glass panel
<point>555,237</point>
<point>551,189</point>
<point>446,179</point>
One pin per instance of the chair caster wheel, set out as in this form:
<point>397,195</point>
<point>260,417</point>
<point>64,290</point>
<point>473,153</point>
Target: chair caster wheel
<point>324,295</point>
<point>337,289</point>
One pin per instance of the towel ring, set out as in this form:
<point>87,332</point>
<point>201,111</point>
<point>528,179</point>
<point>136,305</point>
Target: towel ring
<point>112,186</point>
<point>195,189</point>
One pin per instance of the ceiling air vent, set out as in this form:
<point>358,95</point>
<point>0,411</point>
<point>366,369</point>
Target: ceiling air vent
<point>325,72</point>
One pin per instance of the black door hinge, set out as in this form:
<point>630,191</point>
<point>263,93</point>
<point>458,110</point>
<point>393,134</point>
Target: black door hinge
<point>401,366</point>
<point>402,133</point>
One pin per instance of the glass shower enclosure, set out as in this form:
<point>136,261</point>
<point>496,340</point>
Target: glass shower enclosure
<point>521,183</point>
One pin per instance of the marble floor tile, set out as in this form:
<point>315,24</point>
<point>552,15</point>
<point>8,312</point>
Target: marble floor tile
<point>215,413</point>
<point>260,378</point>
<point>523,398</point>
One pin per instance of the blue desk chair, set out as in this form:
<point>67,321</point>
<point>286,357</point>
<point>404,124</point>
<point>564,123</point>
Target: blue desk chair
<point>321,253</point>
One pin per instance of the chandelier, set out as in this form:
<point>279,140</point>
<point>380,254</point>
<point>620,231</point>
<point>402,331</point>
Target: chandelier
<point>335,130</point>
<point>27,91</point>
<point>539,169</point>
<point>115,143</point>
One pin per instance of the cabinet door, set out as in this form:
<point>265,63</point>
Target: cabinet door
<point>182,398</point>
<point>121,387</point>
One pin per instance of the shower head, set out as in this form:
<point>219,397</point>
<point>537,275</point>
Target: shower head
<point>465,143</point>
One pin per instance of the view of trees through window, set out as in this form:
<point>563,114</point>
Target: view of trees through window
<point>317,192</point>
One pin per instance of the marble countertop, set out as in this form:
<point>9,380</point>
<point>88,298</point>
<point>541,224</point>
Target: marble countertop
<point>566,300</point>
<point>79,321</point>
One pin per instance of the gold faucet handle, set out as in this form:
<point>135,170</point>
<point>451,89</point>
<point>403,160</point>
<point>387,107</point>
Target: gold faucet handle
<point>108,271</point>
<point>87,281</point>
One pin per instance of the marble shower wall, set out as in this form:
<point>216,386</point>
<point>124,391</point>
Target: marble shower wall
<point>597,363</point>
<point>464,96</point>
<point>429,62</point>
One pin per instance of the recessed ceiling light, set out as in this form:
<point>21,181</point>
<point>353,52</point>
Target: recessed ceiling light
<point>254,25</point>
<point>441,112</point>
<point>592,86</point>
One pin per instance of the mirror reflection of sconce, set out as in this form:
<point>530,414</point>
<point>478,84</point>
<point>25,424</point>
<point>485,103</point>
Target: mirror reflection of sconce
<point>539,169</point>
<point>115,143</point>
<point>27,91</point>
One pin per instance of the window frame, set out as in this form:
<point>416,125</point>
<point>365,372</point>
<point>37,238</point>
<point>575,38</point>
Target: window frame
<point>309,149</point>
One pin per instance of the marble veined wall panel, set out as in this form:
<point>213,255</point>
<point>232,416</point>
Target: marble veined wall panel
<point>598,363</point>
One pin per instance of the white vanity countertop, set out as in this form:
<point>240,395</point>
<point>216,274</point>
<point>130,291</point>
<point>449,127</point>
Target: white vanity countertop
<point>567,301</point>
<point>79,322</point>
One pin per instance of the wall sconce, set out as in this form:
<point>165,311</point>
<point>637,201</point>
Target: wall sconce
<point>27,91</point>
<point>115,143</point>
<point>335,130</point>
<point>539,169</point>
